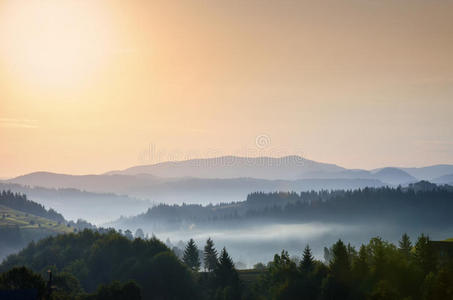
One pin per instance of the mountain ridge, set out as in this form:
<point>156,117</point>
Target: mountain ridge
<point>228,167</point>
<point>263,167</point>
<point>299,168</point>
<point>214,180</point>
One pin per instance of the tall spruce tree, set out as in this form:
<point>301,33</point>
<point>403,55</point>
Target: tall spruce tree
<point>339,265</point>
<point>227,277</point>
<point>424,254</point>
<point>308,260</point>
<point>405,245</point>
<point>361,266</point>
<point>210,256</point>
<point>191,257</point>
<point>340,271</point>
<point>225,260</point>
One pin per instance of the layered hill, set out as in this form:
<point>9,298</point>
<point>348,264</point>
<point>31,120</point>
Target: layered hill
<point>422,205</point>
<point>285,168</point>
<point>23,221</point>
<point>445,179</point>
<point>12,218</point>
<point>394,176</point>
<point>74,203</point>
<point>430,173</point>
<point>185,189</point>
<point>104,197</point>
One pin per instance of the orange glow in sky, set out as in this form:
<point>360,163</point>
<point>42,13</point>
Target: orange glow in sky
<point>88,86</point>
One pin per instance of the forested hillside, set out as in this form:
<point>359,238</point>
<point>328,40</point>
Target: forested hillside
<point>94,258</point>
<point>20,202</point>
<point>17,229</point>
<point>74,203</point>
<point>23,221</point>
<point>421,204</point>
<point>107,265</point>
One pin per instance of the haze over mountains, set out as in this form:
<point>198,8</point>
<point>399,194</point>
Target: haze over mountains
<point>213,180</point>
<point>288,168</point>
<point>74,204</point>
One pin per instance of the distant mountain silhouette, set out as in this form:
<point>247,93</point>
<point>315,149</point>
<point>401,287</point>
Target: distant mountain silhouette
<point>74,204</point>
<point>92,183</point>
<point>287,167</point>
<point>394,176</point>
<point>186,189</point>
<point>222,179</point>
<point>430,172</point>
<point>445,179</point>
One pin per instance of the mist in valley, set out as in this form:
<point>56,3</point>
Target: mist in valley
<point>251,243</point>
<point>226,150</point>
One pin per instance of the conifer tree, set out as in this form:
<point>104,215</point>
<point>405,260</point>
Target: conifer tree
<point>191,258</point>
<point>361,265</point>
<point>225,260</point>
<point>210,256</point>
<point>405,245</point>
<point>337,285</point>
<point>226,274</point>
<point>424,254</point>
<point>339,264</point>
<point>308,261</point>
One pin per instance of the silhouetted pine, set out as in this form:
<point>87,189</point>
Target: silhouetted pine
<point>190,257</point>
<point>405,245</point>
<point>338,282</point>
<point>210,256</point>
<point>227,278</point>
<point>308,260</point>
<point>424,254</point>
<point>225,261</point>
<point>361,266</point>
<point>340,261</point>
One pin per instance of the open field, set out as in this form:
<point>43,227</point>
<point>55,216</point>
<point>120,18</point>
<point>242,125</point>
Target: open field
<point>11,217</point>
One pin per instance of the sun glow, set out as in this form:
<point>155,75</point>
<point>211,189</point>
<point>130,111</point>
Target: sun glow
<point>89,85</point>
<point>54,43</point>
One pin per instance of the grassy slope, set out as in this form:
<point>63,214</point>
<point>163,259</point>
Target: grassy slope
<point>25,221</point>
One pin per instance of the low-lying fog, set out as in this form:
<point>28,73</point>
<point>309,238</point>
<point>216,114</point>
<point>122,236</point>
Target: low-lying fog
<point>259,243</point>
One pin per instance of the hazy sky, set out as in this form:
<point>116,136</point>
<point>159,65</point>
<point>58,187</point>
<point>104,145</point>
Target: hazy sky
<point>90,86</point>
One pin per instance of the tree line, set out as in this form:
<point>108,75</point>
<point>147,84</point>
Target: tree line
<point>89,263</point>
<point>97,266</point>
<point>377,270</point>
<point>427,203</point>
<point>21,202</point>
